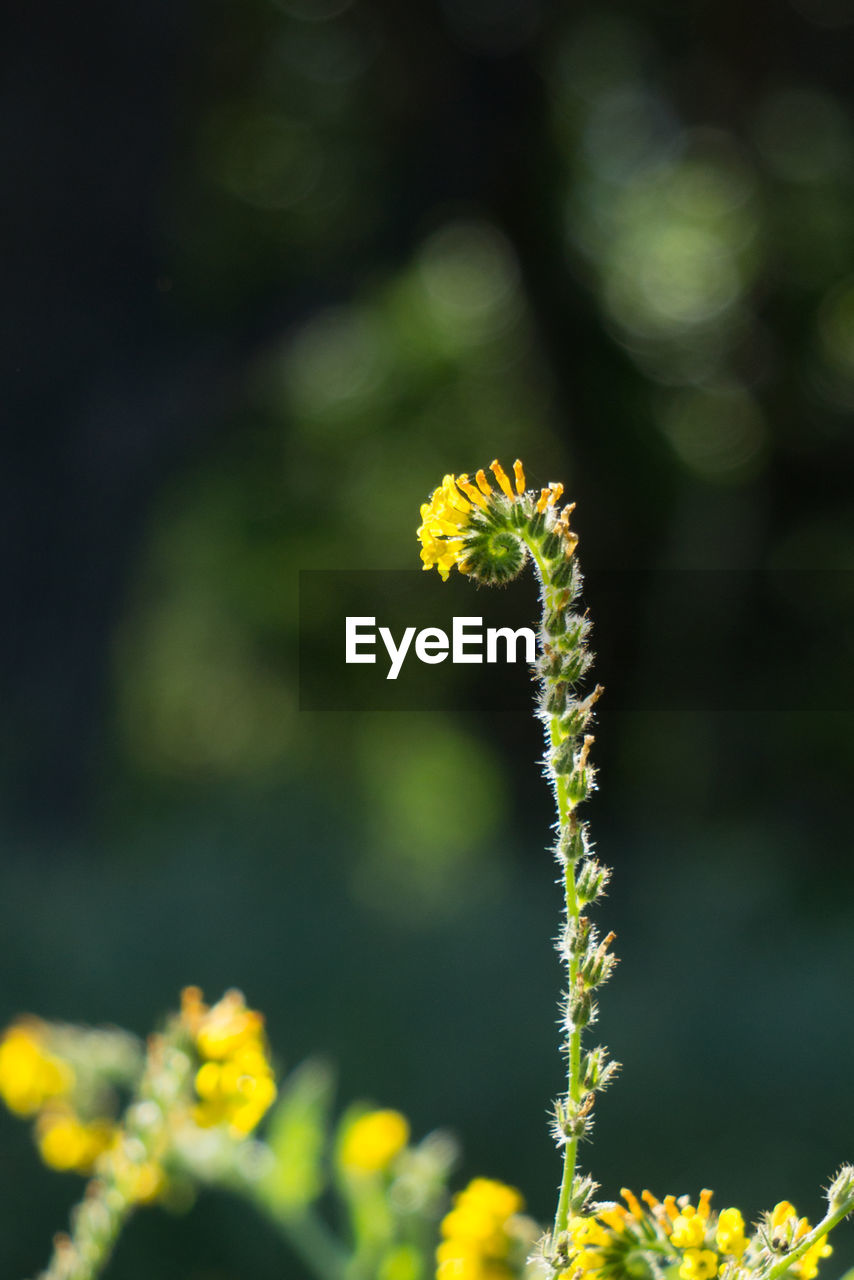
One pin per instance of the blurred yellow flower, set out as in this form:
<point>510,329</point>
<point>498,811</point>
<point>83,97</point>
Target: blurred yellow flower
<point>30,1075</point>
<point>477,1243</point>
<point>371,1143</point>
<point>66,1142</point>
<point>234,1084</point>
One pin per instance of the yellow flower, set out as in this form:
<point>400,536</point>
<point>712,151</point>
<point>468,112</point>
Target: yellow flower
<point>30,1075</point>
<point>371,1143</point>
<point>223,1029</point>
<point>588,1238</point>
<point>237,1091</point>
<point>477,1241</point>
<point>66,1142</point>
<point>729,1236</point>
<point>784,1217</point>
<point>689,1229</point>
<point>445,518</point>
<point>698,1264</point>
<point>234,1084</point>
<point>443,521</point>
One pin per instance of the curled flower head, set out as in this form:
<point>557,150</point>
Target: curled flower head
<point>480,529</point>
<point>234,1083</point>
<point>372,1142</point>
<point>30,1074</point>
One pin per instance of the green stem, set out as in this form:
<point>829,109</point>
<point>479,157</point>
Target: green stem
<point>564,814</point>
<point>143,1139</point>
<point>573,1071</point>
<point>97,1223</point>
<point>313,1243</point>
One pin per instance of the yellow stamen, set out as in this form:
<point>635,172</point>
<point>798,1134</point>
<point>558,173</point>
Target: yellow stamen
<point>519,473</point>
<point>629,1196</point>
<point>649,1199</point>
<point>501,476</point>
<point>671,1207</point>
<point>483,482</point>
<point>704,1204</point>
<point>544,500</point>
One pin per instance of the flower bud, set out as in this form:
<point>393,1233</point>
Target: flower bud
<point>555,698</point>
<point>577,936</point>
<point>582,1190</point>
<point>591,880</point>
<point>563,757</point>
<point>571,845</point>
<point>841,1190</point>
<point>578,785</point>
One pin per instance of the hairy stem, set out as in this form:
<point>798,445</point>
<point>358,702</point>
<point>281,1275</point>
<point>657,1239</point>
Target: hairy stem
<point>573,1070</point>
<point>563,659</point>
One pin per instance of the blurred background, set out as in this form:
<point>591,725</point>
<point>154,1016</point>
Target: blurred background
<point>272,268</point>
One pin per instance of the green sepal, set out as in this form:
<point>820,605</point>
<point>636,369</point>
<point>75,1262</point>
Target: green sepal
<point>563,574</point>
<point>563,758</point>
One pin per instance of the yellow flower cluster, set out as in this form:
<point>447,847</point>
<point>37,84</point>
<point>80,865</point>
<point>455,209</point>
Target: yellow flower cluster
<point>787,1227</point>
<point>30,1075</point>
<point>445,517</point>
<point>477,1234</point>
<point>702,1241</point>
<point>35,1081</point>
<point>588,1239</point>
<point>371,1143</point>
<point>234,1083</point>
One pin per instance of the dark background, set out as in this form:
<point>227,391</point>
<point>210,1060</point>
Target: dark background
<point>270,269</point>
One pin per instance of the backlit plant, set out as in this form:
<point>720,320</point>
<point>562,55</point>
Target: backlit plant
<point>153,1123</point>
